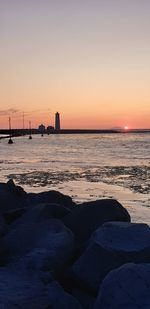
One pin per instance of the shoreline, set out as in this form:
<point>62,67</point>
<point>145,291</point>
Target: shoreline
<point>137,204</point>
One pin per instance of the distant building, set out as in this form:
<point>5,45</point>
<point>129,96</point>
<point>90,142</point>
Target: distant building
<point>57,122</point>
<point>41,128</point>
<point>50,128</point>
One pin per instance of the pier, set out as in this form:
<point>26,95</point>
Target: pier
<point>22,132</point>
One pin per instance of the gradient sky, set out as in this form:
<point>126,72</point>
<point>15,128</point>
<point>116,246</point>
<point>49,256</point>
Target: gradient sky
<point>87,59</point>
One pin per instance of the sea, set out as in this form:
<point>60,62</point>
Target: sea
<point>85,166</point>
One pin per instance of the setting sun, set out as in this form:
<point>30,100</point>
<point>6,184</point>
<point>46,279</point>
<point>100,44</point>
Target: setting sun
<point>126,128</point>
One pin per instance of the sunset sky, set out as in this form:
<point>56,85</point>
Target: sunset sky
<point>87,59</point>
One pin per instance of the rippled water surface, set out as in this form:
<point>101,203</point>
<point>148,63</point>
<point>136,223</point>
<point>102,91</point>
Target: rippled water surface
<point>44,162</point>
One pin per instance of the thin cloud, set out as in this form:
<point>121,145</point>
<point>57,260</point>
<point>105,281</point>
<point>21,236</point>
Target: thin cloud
<point>17,113</point>
<point>7,112</point>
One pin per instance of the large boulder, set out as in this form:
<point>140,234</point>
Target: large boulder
<point>87,217</point>
<point>3,227</point>
<point>11,187</point>
<point>12,197</point>
<point>51,197</point>
<point>41,212</point>
<point>59,299</point>
<point>112,245</point>
<point>19,289</point>
<point>85,299</point>
<point>47,244</point>
<point>126,287</point>
<point>14,214</point>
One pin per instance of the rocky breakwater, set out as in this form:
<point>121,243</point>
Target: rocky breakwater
<point>60,255</point>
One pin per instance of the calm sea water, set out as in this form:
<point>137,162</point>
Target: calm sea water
<point>77,164</point>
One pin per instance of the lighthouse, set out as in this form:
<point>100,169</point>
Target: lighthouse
<point>57,122</point>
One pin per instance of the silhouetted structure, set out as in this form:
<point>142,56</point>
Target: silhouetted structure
<point>57,122</point>
<point>30,136</point>
<point>41,128</point>
<point>10,141</point>
<point>50,129</point>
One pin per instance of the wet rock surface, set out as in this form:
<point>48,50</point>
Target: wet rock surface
<point>137,178</point>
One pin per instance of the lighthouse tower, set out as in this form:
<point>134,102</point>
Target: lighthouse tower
<point>57,122</point>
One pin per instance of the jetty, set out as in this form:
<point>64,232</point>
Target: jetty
<point>5,133</point>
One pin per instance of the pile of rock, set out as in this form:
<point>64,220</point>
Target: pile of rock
<point>57,254</point>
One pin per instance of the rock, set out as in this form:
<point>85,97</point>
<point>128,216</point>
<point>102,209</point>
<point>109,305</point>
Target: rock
<point>12,197</point>
<point>15,189</point>
<point>19,289</point>
<point>126,287</point>
<point>23,289</point>
<point>41,212</point>
<point>3,227</point>
<point>13,215</point>
<point>129,240</point>
<point>48,244</point>
<point>87,217</point>
<point>85,299</point>
<point>59,299</point>
<point>112,245</point>
<point>88,271</point>
<point>43,259</point>
<point>51,197</point>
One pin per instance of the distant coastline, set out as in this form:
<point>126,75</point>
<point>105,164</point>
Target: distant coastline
<point>19,132</point>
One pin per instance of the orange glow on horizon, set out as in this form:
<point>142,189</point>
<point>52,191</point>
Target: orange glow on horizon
<point>67,57</point>
<point>126,128</point>
<point>72,120</point>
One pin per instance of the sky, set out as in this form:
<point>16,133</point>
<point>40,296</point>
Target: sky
<point>87,59</point>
